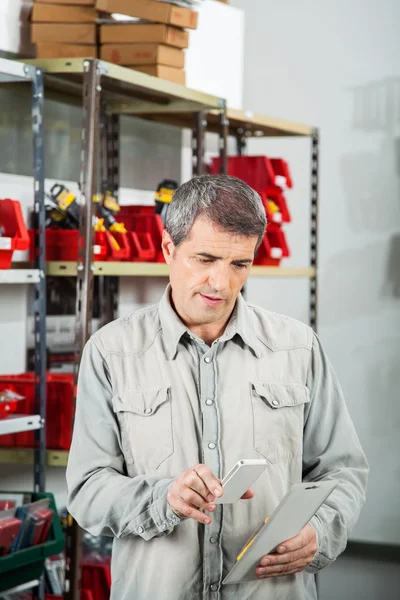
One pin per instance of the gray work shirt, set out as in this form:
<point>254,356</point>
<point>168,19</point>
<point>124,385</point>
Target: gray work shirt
<point>154,400</point>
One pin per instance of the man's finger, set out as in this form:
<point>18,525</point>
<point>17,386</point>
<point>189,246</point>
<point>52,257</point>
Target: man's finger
<point>281,569</point>
<point>193,481</point>
<point>213,484</point>
<point>247,495</point>
<point>288,557</point>
<point>298,541</point>
<point>191,497</point>
<point>190,512</point>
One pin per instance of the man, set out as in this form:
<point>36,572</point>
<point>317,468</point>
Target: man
<point>171,397</point>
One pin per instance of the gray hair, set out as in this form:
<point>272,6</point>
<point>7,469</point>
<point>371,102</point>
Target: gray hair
<point>225,201</point>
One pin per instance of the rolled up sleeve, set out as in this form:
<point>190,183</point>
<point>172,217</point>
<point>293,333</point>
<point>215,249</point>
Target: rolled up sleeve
<point>101,497</point>
<point>331,450</point>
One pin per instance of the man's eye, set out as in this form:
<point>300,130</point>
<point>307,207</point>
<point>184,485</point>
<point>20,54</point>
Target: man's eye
<point>241,266</point>
<point>205,261</point>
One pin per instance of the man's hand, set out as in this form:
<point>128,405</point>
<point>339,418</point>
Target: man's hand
<point>291,557</point>
<point>197,488</point>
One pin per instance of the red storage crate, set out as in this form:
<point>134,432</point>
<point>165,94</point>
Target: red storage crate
<point>281,169</point>
<point>275,193</point>
<point>148,227</point>
<point>15,235</point>
<point>62,245</point>
<point>256,171</point>
<point>122,240</point>
<point>260,172</point>
<point>273,247</point>
<point>51,244</point>
<point>60,393</point>
<point>95,581</point>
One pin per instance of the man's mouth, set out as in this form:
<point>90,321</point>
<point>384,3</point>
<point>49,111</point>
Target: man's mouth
<point>211,300</point>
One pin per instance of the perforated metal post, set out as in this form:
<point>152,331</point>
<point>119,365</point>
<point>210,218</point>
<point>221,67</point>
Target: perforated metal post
<point>198,143</point>
<point>110,143</point>
<point>84,291</point>
<point>39,217</point>
<point>314,229</point>
<point>39,224</point>
<point>223,140</point>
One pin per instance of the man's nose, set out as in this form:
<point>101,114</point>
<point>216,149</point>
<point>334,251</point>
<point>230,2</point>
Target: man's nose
<point>219,277</point>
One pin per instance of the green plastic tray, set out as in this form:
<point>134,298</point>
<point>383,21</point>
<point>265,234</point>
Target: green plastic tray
<point>26,565</point>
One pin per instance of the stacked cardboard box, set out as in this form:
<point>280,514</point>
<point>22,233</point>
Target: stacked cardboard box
<point>155,46</point>
<point>64,28</point>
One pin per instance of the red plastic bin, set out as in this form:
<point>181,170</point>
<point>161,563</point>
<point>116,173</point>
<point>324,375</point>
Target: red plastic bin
<point>60,392</point>
<point>113,253</point>
<point>62,245</point>
<point>95,581</point>
<point>273,247</point>
<point>15,235</point>
<point>281,169</point>
<point>148,227</point>
<point>260,172</point>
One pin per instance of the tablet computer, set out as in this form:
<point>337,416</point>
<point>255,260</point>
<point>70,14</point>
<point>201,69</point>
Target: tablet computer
<point>287,520</point>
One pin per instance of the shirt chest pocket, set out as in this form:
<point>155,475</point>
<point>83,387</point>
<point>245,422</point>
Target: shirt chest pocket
<point>278,417</point>
<point>145,419</point>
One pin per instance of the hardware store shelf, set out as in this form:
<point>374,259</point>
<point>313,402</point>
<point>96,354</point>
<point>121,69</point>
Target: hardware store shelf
<point>25,587</point>
<point>24,456</point>
<point>19,276</point>
<point>124,91</point>
<point>127,91</point>
<point>147,269</point>
<point>17,423</point>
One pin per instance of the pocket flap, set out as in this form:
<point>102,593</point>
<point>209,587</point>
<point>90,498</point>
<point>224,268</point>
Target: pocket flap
<point>143,401</point>
<point>282,394</point>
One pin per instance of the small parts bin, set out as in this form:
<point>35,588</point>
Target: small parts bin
<point>273,248</point>
<point>60,393</point>
<point>141,243</point>
<point>145,229</point>
<point>28,564</point>
<point>95,581</point>
<point>267,176</point>
<point>13,232</point>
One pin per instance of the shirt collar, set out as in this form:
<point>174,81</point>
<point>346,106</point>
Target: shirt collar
<point>173,328</point>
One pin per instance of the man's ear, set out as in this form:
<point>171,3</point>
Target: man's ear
<point>168,247</point>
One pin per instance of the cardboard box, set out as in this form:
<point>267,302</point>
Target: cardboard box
<point>72,34</point>
<point>54,13</point>
<point>133,33</point>
<point>169,73</point>
<point>76,2</point>
<point>143,54</point>
<point>151,10</point>
<point>49,50</point>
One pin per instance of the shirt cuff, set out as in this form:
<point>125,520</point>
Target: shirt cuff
<point>159,519</point>
<point>319,561</point>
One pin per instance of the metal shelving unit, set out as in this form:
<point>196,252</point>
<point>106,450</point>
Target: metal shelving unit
<point>20,74</point>
<point>107,91</point>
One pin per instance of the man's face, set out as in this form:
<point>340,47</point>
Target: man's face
<point>207,272</point>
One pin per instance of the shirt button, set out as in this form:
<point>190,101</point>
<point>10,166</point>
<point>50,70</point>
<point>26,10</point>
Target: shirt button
<point>148,411</point>
<point>140,529</point>
<point>275,402</point>
<point>209,402</point>
<point>207,359</point>
<point>211,445</point>
<point>214,587</point>
<point>213,539</point>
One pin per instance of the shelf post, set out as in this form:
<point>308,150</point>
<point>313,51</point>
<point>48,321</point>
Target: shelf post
<point>84,291</point>
<point>110,157</point>
<point>198,143</point>
<point>39,216</point>
<point>223,140</point>
<point>314,229</point>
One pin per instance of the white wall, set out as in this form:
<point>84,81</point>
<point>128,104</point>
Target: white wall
<point>336,65</point>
